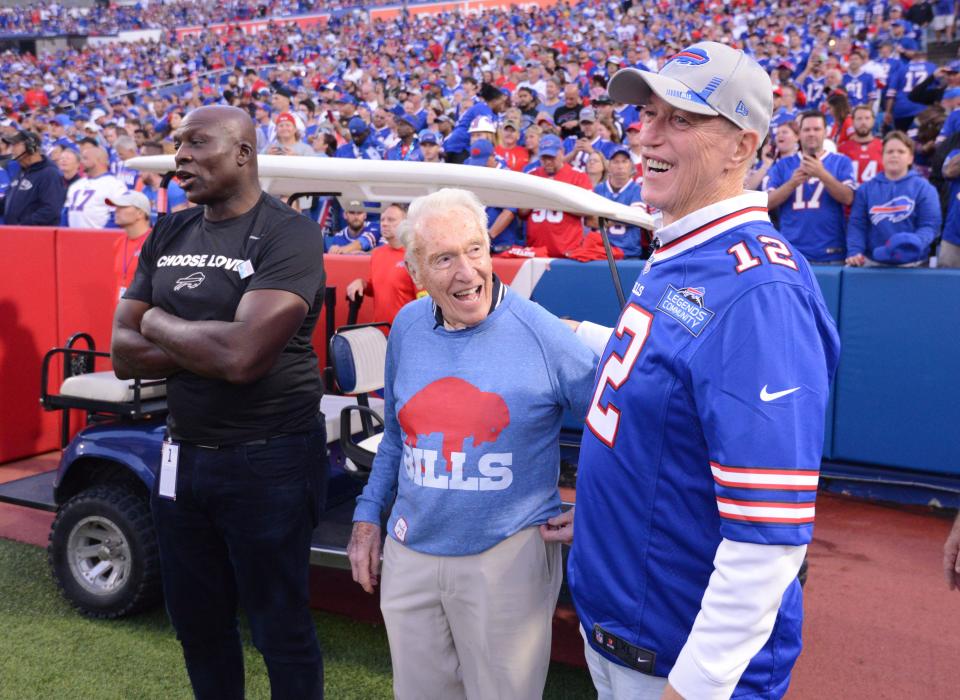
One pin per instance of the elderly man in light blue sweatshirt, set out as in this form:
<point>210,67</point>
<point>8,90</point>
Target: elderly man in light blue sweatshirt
<point>477,379</point>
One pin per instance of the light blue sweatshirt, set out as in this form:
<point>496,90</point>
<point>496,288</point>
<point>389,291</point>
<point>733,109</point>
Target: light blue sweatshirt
<point>472,426</point>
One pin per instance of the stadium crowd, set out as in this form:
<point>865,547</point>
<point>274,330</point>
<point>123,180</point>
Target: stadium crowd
<point>52,18</point>
<point>525,89</point>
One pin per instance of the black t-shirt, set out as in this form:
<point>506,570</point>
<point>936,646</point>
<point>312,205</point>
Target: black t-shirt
<point>198,270</point>
<point>567,114</point>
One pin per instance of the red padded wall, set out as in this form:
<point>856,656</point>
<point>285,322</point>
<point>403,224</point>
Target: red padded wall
<point>87,289</point>
<point>28,328</point>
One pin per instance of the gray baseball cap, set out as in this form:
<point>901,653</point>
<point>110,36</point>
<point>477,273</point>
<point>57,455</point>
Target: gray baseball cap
<point>706,78</point>
<point>130,198</point>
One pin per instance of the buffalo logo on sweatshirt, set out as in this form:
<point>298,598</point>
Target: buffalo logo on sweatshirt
<point>894,211</point>
<point>457,411</point>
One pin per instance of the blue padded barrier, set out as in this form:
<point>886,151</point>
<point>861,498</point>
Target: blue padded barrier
<point>898,385</point>
<point>830,278</point>
<point>584,291</point>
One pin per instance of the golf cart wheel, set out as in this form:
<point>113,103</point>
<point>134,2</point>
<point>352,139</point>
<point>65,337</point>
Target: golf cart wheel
<point>103,552</point>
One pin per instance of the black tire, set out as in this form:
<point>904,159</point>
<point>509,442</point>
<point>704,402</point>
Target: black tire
<point>103,552</point>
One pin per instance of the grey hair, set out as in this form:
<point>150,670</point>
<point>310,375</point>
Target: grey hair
<point>443,201</point>
<point>125,142</point>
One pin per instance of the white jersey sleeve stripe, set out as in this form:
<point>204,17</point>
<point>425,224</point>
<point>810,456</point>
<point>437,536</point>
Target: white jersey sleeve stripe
<point>785,480</point>
<point>766,512</point>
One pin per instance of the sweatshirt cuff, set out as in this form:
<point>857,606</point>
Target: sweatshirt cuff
<point>366,512</point>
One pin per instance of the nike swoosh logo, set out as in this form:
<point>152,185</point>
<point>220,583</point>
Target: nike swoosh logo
<point>765,396</point>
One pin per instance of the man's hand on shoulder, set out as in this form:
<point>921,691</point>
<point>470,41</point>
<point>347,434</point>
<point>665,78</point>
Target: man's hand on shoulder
<point>364,554</point>
<point>559,528</point>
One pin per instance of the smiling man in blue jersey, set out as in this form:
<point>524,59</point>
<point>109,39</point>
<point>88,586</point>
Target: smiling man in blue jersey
<point>811,190</point>
<point>699,463</point>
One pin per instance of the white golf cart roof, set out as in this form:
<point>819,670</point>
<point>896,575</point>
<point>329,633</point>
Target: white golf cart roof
<point>385,181</point>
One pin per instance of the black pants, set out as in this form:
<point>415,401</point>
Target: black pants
<point>239,533</point>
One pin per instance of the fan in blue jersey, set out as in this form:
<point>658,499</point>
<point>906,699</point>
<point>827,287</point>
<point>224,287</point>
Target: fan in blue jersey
<point>579,148</point>
<point>811,190</point>
<point>699,464</point>
<point>430,148</point>
<point>406,148</point>
<point>861,87</point>
<point>896,215</point>
<point>124,148</point>
<point>951,102</point>
<point>949,255</point>
<point>901,110</point>
<point>492,102</point>
<point>786,106</point>
<point>620,186</point>
<point>813,81</point>
<point>358,236</point>
<point>363,145</point>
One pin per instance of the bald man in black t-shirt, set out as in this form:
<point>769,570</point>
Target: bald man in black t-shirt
<point>223,305</point>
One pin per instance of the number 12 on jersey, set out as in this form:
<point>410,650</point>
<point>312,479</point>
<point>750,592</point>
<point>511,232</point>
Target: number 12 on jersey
<point>604,422</point>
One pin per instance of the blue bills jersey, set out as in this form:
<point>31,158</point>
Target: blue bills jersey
<point>902,81</point>
<point>706,424</point>
<point>813,88</point>
<point>369,237</point>
<point>812,220</point>
<point>629,239</point>
<point>951,225</point>
<point>861,89</point>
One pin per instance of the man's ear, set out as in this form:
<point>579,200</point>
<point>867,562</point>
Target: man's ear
<point>747,145</point>
<point>245,153</point>
<point>413,274</point>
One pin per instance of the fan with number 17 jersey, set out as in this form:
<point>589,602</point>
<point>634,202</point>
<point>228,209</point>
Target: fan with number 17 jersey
<point>812,220</point>
<point>702,447</point>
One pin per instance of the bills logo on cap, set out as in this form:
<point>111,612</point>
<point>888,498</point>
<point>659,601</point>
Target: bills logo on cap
<point>897,209</point>
<point>693,56</point>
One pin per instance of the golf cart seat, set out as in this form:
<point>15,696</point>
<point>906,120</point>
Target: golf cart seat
<point>96,393</point>
<point>358,356</point>
<point>108,387</point>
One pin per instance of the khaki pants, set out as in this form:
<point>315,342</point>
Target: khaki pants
<point>475,627</point>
